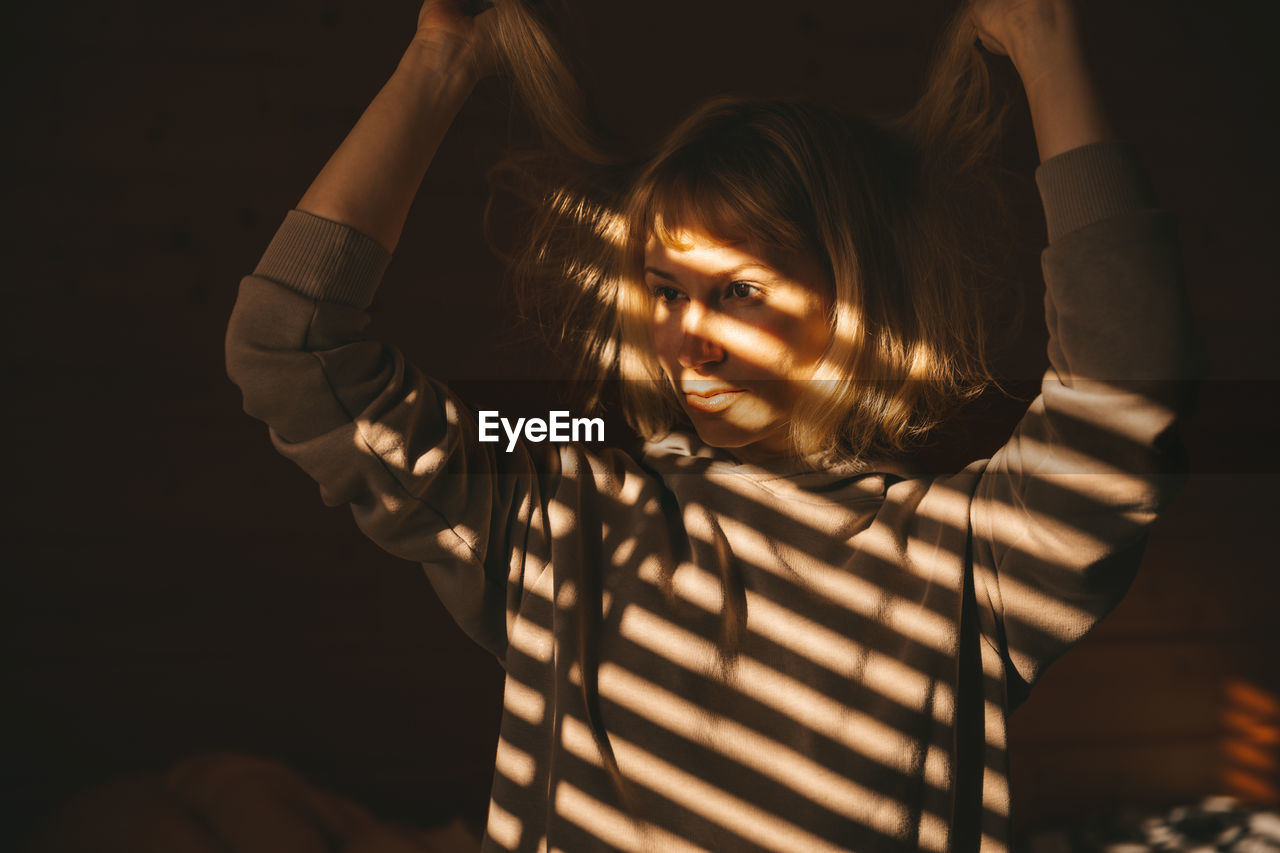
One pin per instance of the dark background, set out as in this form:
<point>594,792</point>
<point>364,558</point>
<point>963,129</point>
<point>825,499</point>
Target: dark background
<point>171,585</point>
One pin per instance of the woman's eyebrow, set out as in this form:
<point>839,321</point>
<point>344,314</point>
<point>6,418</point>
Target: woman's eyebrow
<point>659,273</point>
<point>756,266</point>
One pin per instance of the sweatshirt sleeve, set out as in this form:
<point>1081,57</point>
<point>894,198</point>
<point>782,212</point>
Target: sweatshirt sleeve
<point>374,432</point>
<point>1061,511</point>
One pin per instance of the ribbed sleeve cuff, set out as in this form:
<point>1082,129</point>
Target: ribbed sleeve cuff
<point>1091,183</point>
<point>324,260</point>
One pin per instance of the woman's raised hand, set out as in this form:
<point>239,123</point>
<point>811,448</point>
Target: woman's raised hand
<point>459,30</point>
<point>1042,39</point>
<point>1021,29</point>
<point>370,181</point>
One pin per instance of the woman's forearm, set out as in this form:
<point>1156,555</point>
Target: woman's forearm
<point>370,181</point>
<point>1042,38</point>
<point>1066,110</point>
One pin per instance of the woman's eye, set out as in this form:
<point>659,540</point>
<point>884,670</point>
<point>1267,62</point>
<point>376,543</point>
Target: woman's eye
<point>742,290</point>
<point>666,294</point>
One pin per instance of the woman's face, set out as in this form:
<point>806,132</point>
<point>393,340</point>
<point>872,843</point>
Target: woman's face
<point>737,334</point>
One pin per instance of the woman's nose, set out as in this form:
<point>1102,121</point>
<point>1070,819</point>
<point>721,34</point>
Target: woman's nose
<point>700,346</point>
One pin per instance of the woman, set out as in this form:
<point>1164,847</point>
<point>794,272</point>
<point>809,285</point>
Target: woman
<point>767,632</point>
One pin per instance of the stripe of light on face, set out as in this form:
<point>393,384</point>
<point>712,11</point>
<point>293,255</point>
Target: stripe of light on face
<point>503,827</point>
<point>811,708</point>
<point>515,764</point>
<point>524,702</point>
<point>696,795</point>
<point>613,827</point>
<point>751,749</point>
<point>848,589</point>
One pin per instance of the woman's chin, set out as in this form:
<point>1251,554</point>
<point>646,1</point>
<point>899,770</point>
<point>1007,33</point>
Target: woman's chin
<point>743,442</point>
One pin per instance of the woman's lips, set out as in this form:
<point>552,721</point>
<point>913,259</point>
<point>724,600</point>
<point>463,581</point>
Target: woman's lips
<point>716,401</point>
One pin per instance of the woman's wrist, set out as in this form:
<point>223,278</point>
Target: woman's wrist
<point>442,62</point>
<point>1066,109</point>
<point>370,181</point>
<point>1032,34</point>
<point>1047,56</point>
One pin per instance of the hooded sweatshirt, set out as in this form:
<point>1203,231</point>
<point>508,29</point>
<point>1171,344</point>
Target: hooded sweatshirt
<point>705,654</point>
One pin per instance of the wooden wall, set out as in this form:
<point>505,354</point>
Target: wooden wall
<point>171,585</point>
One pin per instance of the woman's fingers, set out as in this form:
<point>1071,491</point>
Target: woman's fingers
<point>1017,27</point>
<point>985,14</point>
<point>454,26</point>
<point>452,15</point>
<point>991,45</point>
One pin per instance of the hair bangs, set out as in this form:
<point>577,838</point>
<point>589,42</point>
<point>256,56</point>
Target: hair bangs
<point>727,185</point>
